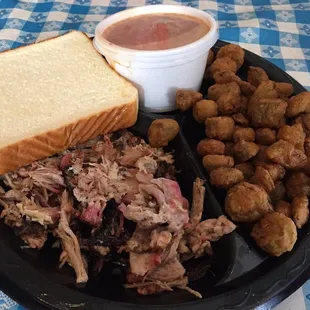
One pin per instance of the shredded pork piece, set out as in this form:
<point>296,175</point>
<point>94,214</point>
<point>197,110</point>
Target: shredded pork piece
<point>49,178</point>
<point>144,240</point>
<point>102,250</point>
<point>191,291</point>
<point>105,148</point>
<point>160,155</point>
<point>206,231</point>
<point>15,194</point>
<point>214,229</point>
<point>44,216</point>
<point>93,213</point>
<point>143,263</point>
<point>131,155</point>
<point>171,251</point>
<point>3,204</point>
<point>143,177</point>
<point>167,272</point>
<point>154,287</point>
<point>199,247</point>
<point>69,242</point>
<point>183,248</point>
<point>144,216</point>
<point>66,161</point>
<point>139,241</point>
<point>8,181</point>
<point>172,206</point>
<point>160,238</point>
<point>147,164</point>
<point>198,201</point>
<point>35,241</point>
<point>178,282</point>
<point>176,215</point>
<point>154,191</point>
<point>100,182</point>
<point>11,214</point>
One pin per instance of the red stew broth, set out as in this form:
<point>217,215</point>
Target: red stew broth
<point>156,31</point>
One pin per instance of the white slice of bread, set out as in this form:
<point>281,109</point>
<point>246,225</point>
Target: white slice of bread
<point>55,94</point>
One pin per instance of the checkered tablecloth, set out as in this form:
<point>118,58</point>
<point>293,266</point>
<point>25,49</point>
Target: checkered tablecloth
<point>278,30</point>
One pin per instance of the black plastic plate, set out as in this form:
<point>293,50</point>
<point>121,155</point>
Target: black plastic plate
<point>238,276</point>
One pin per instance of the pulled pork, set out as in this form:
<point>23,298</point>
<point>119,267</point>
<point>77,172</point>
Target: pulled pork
<point>71,249</point>
<point>155,268</point>
<point>115,199</point>
<point>158,203</point>
<point>33,196</point>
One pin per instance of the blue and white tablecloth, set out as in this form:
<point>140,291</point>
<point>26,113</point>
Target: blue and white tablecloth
<point>278,30</point>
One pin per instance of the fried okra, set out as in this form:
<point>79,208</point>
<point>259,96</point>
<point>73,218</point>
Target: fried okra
<point>263,178</point>
<point>227,97</point>
<point>224,177</point>
<point>275,233</point>
<point>293,134</point>
<point>300,211</point>
<point>297,184</point>
<point>221,127</point>
<point>204,109</point>
<point>298,105</point>
<point>247,169</point>
<point>246,88</point>
<point>228,104</point>
<point>261,156</point>
<point>246,134</point>
<point>217,90</point>
<point>162,131</point>
<point>210,147</point>
<point>306,168</point>
<point>278,193</point>
<point>235,52</point>
<point>266,90</point>
<point>229,149</point>
<point>244,102</point>
<point>284,89</point>
<point>285,154</point>
<point>185,99</point>
<point>277,172</point>
<point>304,120</point>
<point>284,208</point>
<point>256,76</point>
<point>222,64</point>
<point>211,162</point>
<point>224,77</point>
<point>268,113</point>
<point>244,150</point>
<point>246,202</point>
<point>307,146</point>
<point>265,136</point>
<point>240,119</point>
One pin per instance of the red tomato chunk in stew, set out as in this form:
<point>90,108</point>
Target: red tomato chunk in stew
<point>156,31</point>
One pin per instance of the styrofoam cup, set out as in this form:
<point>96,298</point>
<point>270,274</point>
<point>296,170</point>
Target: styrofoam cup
<point>158,74</point>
